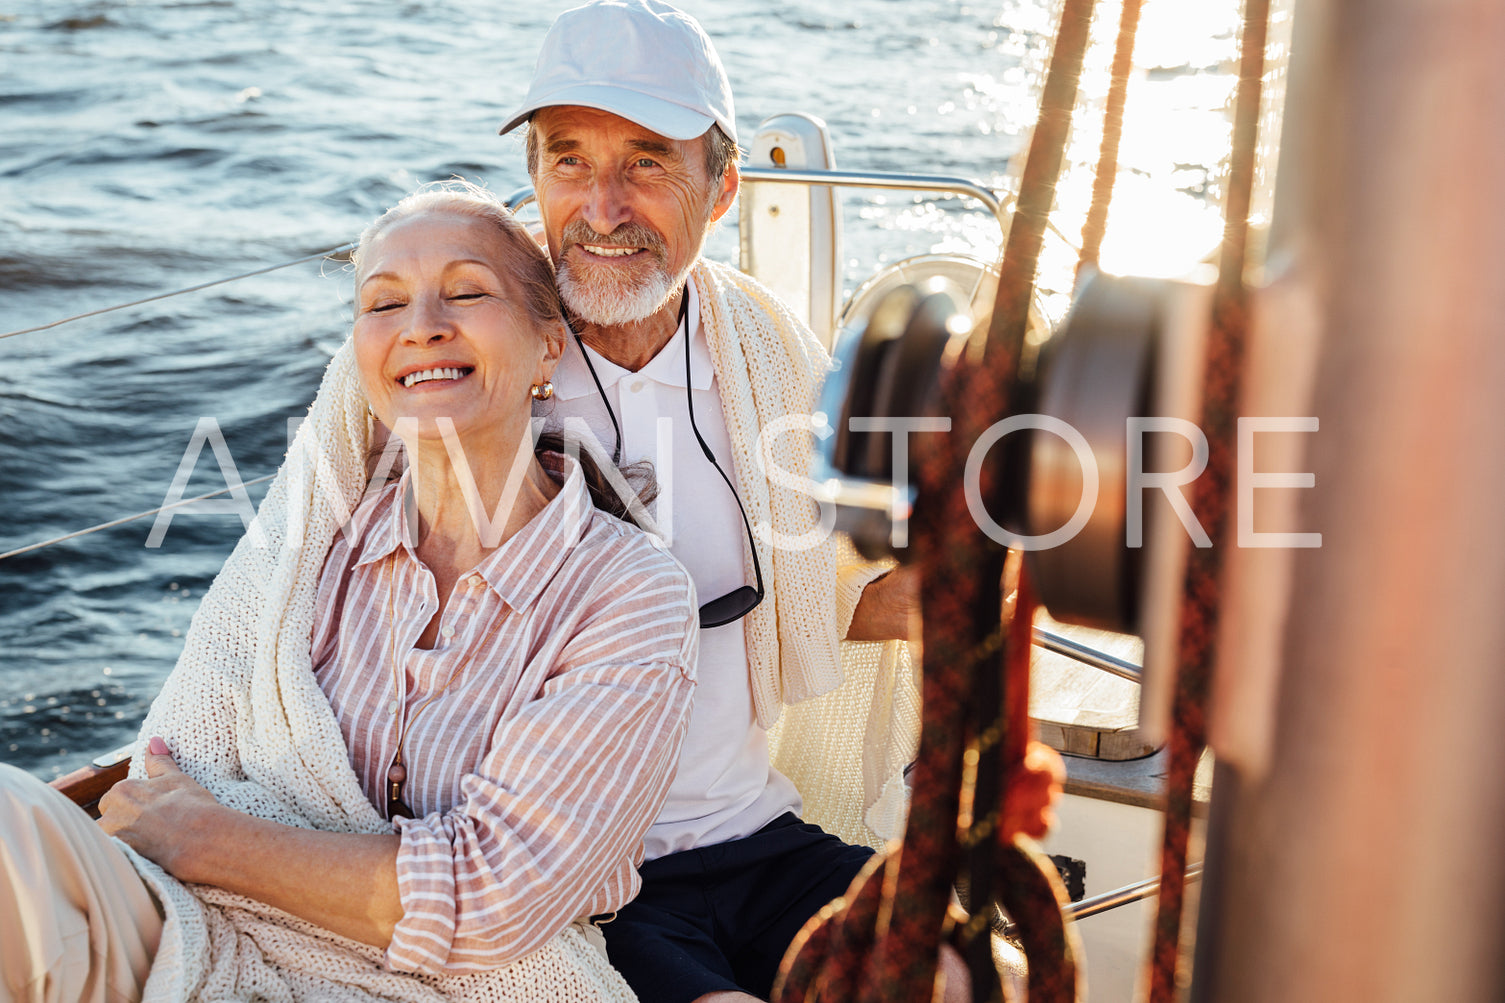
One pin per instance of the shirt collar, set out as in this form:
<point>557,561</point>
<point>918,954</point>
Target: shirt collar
<point>385,524</point>
<point>518,570</point>
<point>572,378</point>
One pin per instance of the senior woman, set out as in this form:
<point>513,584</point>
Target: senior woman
<point>405,750</point>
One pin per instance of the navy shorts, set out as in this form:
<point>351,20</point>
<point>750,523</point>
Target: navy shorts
<point>719,918</point>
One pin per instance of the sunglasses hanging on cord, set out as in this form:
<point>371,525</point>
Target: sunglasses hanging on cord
<point>742,600</point>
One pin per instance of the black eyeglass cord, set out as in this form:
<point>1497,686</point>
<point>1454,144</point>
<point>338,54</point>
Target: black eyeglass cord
<point>616,453</point>
<point>684,308</point>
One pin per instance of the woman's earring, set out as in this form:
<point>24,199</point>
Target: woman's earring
<point>542,391</point>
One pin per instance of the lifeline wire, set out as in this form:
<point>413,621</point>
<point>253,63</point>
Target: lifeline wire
<point>177,292</point>
<point>129,518</point>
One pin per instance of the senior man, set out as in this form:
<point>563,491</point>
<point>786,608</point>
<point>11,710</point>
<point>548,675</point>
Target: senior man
<point>631,147</point>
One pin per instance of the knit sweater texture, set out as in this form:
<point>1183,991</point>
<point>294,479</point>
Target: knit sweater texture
<point>245,717</point>
<point>850,711</point>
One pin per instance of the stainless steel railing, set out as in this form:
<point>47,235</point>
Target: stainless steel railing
<point>1094,904</point>
<point>937,183</point>
<point>940,184</point>
<point>1088,655</point>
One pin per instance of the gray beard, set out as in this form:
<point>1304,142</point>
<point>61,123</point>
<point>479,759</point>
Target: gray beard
<point>607,298</point>
<point>608,302</point>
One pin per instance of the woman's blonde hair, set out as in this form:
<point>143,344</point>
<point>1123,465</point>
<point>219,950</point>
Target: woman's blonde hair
<point>526,263</point>
<point>532,273</point>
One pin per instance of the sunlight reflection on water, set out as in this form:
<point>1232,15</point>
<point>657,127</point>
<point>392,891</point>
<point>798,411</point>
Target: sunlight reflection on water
<point>149,146</point>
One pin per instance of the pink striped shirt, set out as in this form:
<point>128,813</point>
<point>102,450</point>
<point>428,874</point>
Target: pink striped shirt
<point>561,682</point>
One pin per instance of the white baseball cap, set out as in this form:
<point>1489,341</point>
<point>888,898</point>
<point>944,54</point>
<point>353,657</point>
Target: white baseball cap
<point>644,60</point>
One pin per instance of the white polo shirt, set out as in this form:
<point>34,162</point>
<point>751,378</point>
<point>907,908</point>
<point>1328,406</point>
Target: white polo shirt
<point>725,787</point>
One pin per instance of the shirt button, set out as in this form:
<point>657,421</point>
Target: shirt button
<point>636,386</point>
<point>392,708</point>
<point>447,630</point>
<point>476,581</point>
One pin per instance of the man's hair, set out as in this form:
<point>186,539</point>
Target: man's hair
<point>720,152</point>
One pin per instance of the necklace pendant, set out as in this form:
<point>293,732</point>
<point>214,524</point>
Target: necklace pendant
<point>397,776</point>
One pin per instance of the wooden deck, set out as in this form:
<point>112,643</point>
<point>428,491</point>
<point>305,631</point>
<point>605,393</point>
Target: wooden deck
<point>1082,710</point>
<point>1092,718</point>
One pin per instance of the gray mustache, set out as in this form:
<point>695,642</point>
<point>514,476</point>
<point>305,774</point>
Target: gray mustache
<point>626,235</point>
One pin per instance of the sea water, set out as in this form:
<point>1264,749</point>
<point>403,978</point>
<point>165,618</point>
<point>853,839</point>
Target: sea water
<point>148,146</point>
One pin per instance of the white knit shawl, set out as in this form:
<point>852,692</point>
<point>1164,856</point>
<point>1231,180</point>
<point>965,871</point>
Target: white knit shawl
<point>244,716</point>
<point>853,720</point>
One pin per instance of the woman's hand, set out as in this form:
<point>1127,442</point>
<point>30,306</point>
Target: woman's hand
<point>160,817</point>
<point>342,881</point>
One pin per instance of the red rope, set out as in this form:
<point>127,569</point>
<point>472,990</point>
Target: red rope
<point>962,633</point>
<point>1037,185</point>
<point>1211,497</point>
<point>1113,126</point>
<point>1031,889</point>
<point>962,568</point>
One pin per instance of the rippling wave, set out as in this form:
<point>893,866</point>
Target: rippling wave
<point>154,145</point>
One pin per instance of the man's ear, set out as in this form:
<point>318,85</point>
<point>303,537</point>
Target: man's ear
<point>553,348</point>
<point>730,181</point>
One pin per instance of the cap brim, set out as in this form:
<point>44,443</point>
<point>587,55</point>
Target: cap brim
<point>654,114</point>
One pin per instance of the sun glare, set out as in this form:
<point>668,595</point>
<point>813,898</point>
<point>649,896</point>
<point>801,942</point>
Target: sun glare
<point>1166,215</point>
